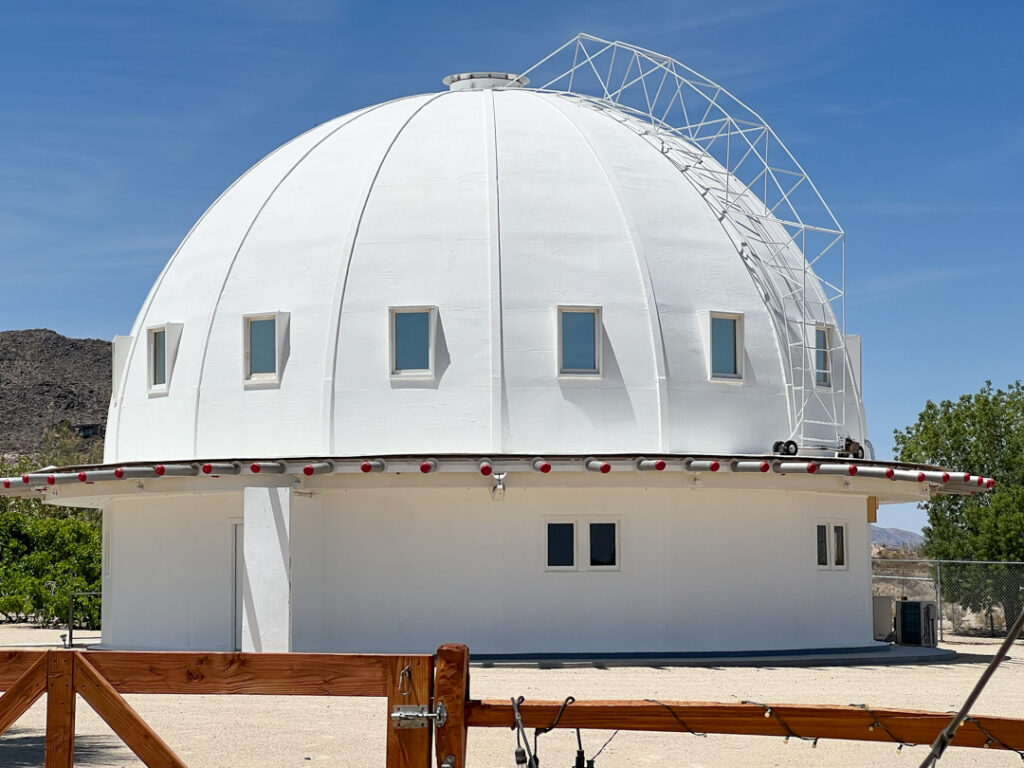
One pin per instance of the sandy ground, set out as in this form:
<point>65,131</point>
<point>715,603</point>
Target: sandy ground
<point>273,732</point>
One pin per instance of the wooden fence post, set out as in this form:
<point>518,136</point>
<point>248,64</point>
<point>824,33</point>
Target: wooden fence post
<point>451,688</point>
<point>60,709</point>
<point>410,682</point>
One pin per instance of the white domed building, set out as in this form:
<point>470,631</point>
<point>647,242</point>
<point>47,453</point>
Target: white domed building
<point>530,368</point>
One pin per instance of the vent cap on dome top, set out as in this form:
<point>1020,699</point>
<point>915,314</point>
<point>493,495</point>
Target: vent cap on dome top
<point>468,81</point>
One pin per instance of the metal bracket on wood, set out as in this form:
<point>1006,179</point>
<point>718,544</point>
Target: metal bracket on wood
<point>416,716</point>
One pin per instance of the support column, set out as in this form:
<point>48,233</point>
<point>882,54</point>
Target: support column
<point>266,583</point>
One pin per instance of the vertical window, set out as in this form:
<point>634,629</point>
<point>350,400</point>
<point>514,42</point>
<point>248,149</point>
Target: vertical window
<point>412,334</point>
<point>262,347</point>
<point>561,545</point>
<point>823,546</point>
<point>161,350</point>
<point>726,346</point>
<point>603,545</point>
<point>839,552</point>
<point>158,357</point>
<point>265,337</point>
<point>579,340</point>
<point>831,546</point>
<point>822,357</point>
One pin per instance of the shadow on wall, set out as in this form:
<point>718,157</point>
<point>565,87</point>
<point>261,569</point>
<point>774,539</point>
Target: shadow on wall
<point>26,748</point>
<point>606,403</point>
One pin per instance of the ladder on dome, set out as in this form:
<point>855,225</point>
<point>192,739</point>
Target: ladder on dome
<point>790,242</point>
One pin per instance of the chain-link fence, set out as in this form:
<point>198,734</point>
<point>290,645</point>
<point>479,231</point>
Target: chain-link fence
<point>977,599</point>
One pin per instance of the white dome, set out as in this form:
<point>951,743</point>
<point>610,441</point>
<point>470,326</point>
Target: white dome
<point>496,207</point>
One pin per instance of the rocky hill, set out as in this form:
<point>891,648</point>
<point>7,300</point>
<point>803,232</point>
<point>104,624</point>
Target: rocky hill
<point>895,538</point>
<point>46,378</point>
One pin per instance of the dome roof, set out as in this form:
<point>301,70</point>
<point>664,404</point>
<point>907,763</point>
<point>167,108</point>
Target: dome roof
<point>495,208</point>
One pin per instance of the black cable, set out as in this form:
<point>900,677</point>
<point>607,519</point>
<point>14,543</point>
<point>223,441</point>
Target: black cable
<point>993,739</point>
<point>523,745</point>
<point>879,724</point>
<point>769,712</point>
<point>598,753</point>
<point>678,719</point>
<point>541,731</point>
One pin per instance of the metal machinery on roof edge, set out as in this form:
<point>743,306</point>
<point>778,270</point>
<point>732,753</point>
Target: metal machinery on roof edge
<point>786,234</point>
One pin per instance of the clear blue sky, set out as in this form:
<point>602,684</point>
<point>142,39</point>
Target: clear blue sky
<point>121,121</point>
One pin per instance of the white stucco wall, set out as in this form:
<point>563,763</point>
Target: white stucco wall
<point>168,571</point>
<point>406,569</point>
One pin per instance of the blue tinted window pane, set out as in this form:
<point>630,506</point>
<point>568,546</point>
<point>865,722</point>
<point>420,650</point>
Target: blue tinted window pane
<point>723,346</point>
<point>159,358</point>
<point>602,543</point>
<point>561,544</point>
<point>412,341</point>
<point>579,342</point>
<point>821,359</point>
<point>262,346</point>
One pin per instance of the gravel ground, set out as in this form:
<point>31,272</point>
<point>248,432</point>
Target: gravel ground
<point>278,732</point>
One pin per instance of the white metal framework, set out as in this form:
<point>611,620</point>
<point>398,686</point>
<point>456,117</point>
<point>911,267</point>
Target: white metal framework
<point>785,232</point>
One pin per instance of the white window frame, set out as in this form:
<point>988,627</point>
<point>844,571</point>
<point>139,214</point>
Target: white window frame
<point>172,337</point>
<point>737,317</point>
<point>414,374</point>
<point>570,373</point>
<point>281,328</point>
<point>829,331</point>
<point>581,543</point>
<point>830,543</point>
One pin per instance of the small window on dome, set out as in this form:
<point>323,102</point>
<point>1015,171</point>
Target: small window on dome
<point>158,356</point>
<point>161,350</point>
<point>579,341</point>
<point>726,346</point>
<point>266,346</point>
<point>413,330</point>
<point>823,356</point>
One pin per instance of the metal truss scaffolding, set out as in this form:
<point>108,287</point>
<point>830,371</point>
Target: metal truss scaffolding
<point>785,233</point>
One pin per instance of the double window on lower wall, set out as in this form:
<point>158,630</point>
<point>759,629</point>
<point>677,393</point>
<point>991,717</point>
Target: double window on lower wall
<point>832,547</point>
<point>582,544</point>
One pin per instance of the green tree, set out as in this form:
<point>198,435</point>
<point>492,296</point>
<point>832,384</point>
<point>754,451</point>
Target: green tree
<point>62,446</point>
<point>982,433</point>
<point>47,552</point>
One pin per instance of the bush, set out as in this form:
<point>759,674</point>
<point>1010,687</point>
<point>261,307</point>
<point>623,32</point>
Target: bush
<point>46,553</point>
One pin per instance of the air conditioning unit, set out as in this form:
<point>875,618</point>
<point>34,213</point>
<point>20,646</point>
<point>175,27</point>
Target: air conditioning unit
<point>917,623</point>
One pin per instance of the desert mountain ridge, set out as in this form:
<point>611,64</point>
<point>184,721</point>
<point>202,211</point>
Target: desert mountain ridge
<point>47,378</point>
<point>895,538</point>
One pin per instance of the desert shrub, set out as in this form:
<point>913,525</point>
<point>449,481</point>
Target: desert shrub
<point>46,553</point>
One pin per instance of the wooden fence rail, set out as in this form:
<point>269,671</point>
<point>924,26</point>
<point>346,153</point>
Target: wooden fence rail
<point>435,683</point>
<point>102,677</point>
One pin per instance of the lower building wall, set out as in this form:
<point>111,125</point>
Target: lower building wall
<point>406,569</point>
<point>168,572</point>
